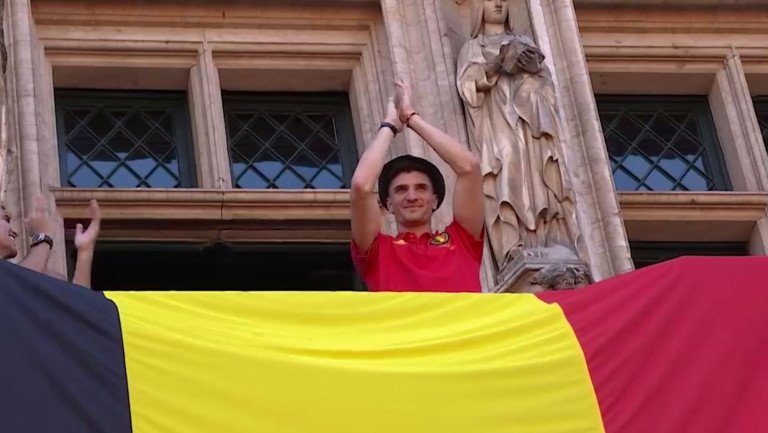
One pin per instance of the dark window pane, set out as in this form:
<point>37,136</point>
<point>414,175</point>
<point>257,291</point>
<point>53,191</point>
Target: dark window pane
<point>82,142</point>
<point>123,178</point>
<point>123,139</point>
<point>672,164</point>
<point>761,110</point>
<point>328,180</point>
<point>657,144</point>
<point>649,253</point>
<point>85,177</point>
<point>305,165</point>
<point>251,178</point>
<point>289,141</point>
<point>284,147</point>
<point>300,129</point>
<point>222,267</point>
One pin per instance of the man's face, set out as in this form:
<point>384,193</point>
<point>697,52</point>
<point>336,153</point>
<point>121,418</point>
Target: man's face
<point>411,198</point>
<point>7,236</point>
<point>495,11</point>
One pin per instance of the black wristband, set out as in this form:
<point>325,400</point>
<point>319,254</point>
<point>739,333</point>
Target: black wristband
<point>388,125</point>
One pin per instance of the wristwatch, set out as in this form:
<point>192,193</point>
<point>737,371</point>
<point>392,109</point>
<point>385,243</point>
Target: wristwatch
<point>40,238</point>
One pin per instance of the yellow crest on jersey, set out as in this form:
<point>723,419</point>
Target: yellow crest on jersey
<point>441,239</point>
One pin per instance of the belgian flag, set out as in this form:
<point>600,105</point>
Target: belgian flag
<point>677,347</point>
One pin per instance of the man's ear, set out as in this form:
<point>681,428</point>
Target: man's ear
<point>434,204</point>
<point>389,205</point>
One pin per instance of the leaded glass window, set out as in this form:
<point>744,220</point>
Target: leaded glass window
<point>124,139</point>
<point>292,141</point>
<point>662,143</point>
<point>761,110</point>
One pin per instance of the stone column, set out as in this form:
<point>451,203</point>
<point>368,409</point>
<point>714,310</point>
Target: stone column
<point>736,122</point>
<point>597,208</point>
<point>209,135</point>
<point>31,133</point>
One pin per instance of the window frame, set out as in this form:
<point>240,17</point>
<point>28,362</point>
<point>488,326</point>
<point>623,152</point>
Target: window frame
<point>760,103</point>
<point>699,105</point>
<point>335,102</point>
<point>647,251</point>
<point>143,98</point>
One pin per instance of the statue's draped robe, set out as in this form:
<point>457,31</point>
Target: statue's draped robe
<point>512,127</point>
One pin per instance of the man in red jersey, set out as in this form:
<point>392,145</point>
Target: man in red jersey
<point>412,188</point>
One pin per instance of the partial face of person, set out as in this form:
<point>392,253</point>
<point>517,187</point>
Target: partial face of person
<point>495,11</point>
<point>411,198</point>
<point>7,236</point>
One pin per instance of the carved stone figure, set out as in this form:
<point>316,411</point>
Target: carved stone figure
<point>509,99</point>
<point>560,277</point>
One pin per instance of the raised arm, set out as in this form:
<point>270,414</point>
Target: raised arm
<point>366,213</point>
<point>85,242</point>
<point>40,222</point>
<point>468,194</point>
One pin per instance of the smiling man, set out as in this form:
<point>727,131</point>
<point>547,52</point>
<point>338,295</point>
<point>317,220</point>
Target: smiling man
<point>412,188</point>
<point>7,236</point>
<point>41,225</point>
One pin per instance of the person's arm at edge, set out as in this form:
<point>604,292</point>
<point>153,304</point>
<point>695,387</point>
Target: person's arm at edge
<point>37,258</point>
<point>40,222</point>
<point>468,192</point>
<point>85,241</point>
<point>83,268</point>
<point>365,211</point>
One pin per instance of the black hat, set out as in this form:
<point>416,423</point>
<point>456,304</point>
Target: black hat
<point>408,163</point>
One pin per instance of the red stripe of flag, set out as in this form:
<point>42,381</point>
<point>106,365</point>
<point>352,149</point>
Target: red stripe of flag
<point>677,347</point>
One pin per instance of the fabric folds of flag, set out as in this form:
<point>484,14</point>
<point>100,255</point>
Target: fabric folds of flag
<point>678,347</point>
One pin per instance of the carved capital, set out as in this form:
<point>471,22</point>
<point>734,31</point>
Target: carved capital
<point>537,269</point>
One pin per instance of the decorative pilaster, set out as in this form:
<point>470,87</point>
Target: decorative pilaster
<point>597,207</point>
<point>209,135</point>
<point>32,128</point>
<point>734,115</point>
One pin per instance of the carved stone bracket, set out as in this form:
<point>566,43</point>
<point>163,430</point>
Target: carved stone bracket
<point>537,269</point>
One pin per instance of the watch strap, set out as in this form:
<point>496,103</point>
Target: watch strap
<point>40,238</point>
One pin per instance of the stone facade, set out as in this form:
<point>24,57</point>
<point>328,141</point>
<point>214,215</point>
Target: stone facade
<point>591,47</point>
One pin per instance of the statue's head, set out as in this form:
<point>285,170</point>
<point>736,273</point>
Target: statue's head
<point>491,12</point>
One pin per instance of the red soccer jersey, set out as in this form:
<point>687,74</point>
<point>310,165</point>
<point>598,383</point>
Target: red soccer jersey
<point>444,262</point>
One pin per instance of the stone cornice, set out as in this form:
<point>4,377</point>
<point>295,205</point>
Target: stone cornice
<point>200,215</point>
<point>206,204</point>
<point>692,216</point>
<point>210,15</point>
<point>635,17</point>
<point>669,3</point>
<point>746,206</point>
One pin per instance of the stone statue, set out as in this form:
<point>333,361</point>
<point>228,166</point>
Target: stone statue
<point>509,99</point>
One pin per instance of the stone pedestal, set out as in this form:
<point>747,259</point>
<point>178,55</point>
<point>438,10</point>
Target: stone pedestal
<point>535,270</point>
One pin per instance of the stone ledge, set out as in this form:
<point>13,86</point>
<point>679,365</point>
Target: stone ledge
<point>195,204</point>
<point>201,215</point>
<point>692,216</point>
<point>668,3</point>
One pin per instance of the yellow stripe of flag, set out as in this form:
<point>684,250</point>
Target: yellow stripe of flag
<point>205,362</point>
